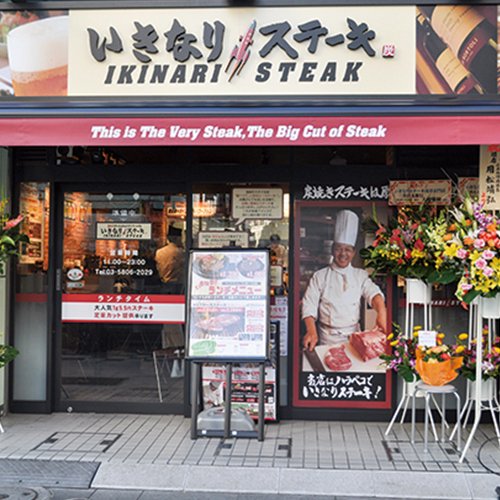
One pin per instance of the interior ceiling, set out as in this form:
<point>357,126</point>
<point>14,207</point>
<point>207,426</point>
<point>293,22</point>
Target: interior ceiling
<point>353,155</point>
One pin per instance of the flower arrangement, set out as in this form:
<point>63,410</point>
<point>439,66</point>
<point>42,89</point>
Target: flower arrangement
<point>412,245</point>
<point>472,240</point>
<point>439,365</point>
<point>413,362</point>
<point>7,354</point>
<point>491,359</point>
<point>10,235</point>
<point>402,357</point>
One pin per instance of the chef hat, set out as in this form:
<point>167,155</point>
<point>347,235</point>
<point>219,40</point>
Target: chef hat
<point>346,228</point>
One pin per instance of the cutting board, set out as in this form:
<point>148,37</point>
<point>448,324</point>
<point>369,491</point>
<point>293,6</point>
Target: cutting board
<point>358,365</point>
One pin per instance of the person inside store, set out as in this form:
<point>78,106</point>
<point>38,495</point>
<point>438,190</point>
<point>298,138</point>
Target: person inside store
<point>331,306</point>
<point>213,394</point>
<point>170,262</point>
<point>170,265</point>
<point>279,252</point>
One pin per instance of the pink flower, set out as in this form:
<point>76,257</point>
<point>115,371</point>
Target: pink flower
<point>481,263</point>
<point>466,287</point>
<point>487,271</point>
<point>13,222</point>
<point>479,243</point>
<point>462,253</point>
<point>488,254</point>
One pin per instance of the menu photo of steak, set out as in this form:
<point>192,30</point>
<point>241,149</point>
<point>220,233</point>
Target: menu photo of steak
<point>337,360</point>
<point>369,344</point>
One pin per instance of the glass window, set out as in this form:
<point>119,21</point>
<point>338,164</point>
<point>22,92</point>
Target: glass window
<point>123,306</point>
<point>31,305</point>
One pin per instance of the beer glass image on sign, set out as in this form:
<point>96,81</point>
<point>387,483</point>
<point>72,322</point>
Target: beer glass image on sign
<point>38,57</point>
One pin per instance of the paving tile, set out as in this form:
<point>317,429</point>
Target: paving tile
<point>70,493</point>
<point>185,495</point>
<point>430,485</point>
<point>241,479</point>
<point>314,482</point>
<point>158,476</point>
<point>116,494</point>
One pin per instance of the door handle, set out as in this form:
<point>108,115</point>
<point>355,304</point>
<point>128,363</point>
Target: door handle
<point>58,280</point>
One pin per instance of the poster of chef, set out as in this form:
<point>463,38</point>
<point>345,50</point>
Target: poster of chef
<point>343,314</point>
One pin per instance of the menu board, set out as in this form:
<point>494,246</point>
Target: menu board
<point>228,305</point>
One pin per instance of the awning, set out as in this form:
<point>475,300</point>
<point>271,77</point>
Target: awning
<point>370,126</point>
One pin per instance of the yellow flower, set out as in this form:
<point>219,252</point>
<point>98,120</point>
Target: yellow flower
<point>495,263</point>
<point>463,336</point>
<point>460,349</point>
<point>451,250</point>
<point>390,336</point>
<point>417,254</point>
<point>474,256</point>
<point>441,335</point>
<point>415,334</point>
<point>394,343</point>
<point>417,328</point>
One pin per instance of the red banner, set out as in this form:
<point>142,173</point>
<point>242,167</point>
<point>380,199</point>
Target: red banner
<point>254,131</point>
<point>122,308</point>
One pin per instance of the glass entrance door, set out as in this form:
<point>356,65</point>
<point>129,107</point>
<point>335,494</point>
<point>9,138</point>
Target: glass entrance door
<point>122,301</point>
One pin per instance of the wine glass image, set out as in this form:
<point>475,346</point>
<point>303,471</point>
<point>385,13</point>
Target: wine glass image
<point>38,57</point>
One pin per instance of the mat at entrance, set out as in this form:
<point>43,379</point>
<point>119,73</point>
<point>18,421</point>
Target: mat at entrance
<point>47,473</point>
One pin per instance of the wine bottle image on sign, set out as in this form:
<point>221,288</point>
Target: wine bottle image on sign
<point>470,36</point>
<point>453,72</point>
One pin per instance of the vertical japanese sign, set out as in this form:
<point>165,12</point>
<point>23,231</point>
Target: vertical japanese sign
<point>489,176</point>
<point>228,305</point>
<point>338,335</point>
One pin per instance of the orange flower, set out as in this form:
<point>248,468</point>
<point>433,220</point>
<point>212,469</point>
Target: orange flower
<point>447,237</point>
<point>452,228</point>
<point>468,222</point>
<point>468,241</point>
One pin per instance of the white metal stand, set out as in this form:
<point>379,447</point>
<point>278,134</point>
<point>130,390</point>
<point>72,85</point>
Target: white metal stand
<point>417,293</point>
<point>477,397</point>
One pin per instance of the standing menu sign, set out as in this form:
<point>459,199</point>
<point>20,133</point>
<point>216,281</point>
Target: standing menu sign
<point>228,305</point>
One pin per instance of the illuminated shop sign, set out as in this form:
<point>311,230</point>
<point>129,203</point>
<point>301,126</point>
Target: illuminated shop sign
<point>242,51</point>
<point>225,52</point>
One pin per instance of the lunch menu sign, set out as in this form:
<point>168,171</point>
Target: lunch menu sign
<point>228,305</point>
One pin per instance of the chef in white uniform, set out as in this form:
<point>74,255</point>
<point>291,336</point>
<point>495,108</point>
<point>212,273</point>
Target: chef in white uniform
<point>331,306</point>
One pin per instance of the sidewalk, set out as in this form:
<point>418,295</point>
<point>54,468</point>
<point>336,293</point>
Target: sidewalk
<point>155,452</point>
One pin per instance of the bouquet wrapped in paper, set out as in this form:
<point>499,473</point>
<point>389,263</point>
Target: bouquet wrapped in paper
<point>437,365</point>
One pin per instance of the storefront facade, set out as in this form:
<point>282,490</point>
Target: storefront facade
<point>258,126</point>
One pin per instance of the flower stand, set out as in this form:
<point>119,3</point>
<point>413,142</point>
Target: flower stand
<point>417,293</point>
<point>481,394</point>
<point>489,389</point>
<point>429,391</point>
<point>489,401</point>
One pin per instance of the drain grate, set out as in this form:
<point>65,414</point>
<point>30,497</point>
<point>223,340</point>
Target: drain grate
<point>282,449</point>
<point>47,473</point>
<point>81,442</point>
<point>404,451</point>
